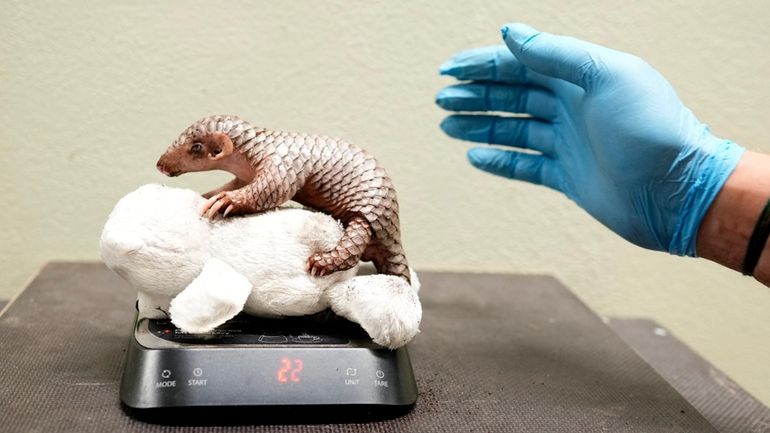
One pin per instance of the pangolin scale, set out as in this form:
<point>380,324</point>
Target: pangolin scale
<point>321,172</point>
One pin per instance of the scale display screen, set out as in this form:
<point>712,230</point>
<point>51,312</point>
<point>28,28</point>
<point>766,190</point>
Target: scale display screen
<point>290,370</point>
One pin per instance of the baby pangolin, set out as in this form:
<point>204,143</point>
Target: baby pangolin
<point>324,173</point>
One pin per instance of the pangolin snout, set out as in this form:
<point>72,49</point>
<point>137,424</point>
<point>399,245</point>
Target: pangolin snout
<point>163,169</point>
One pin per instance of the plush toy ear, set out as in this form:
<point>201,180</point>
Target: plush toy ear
<point>221,146</point>
<point>214,297</point>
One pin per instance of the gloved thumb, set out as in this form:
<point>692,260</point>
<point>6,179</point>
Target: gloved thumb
<point>561,57</point>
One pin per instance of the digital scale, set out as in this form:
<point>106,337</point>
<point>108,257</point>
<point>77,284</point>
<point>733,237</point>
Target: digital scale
<point>282,370</point>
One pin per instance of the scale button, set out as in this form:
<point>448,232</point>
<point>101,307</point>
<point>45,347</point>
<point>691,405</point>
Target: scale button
<point>166,382</point>
<point>197,372</point>
<point>351,371</point>
<point>307,339</point>
<point>379,381</point>
<point>272,339</point>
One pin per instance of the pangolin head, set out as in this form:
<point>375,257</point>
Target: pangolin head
<point>204,144</point>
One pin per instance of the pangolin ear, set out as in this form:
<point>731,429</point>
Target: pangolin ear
<point>221,148</point>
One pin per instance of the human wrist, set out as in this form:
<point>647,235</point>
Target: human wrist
<point>724,233</point>
<point>762,270</point>
<point>710,165</point>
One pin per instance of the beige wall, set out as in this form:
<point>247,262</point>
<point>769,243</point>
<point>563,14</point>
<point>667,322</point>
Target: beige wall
<point>90,96</point>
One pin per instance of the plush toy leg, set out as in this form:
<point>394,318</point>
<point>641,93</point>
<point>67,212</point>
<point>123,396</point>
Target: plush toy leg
<point>386,306</point>
<point>153,306</point>
<point>213,298</point>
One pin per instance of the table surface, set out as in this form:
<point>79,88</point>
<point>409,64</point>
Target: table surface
<point>727,406</point>
<point>507,353</point>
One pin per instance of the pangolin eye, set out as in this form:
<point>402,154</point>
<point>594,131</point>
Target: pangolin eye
<point>196,147</point>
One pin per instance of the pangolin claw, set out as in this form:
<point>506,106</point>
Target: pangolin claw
<point>213,205</point>
<point>228,210</point>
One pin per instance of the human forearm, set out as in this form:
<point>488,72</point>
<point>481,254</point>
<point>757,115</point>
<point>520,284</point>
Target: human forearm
<point>723,236</point>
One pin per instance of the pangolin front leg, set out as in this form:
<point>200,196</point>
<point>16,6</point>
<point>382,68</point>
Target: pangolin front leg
<point>347,253</point>
<point>229,186</point>
<point>265,192</point>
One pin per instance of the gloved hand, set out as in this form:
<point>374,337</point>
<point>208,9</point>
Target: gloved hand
<point>611,133</point>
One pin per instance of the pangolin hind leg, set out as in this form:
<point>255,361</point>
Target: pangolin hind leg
<point>352,244</point>
<point>388,258</point>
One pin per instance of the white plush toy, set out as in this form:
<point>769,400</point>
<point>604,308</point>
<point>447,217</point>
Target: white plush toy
<point>202,273</point>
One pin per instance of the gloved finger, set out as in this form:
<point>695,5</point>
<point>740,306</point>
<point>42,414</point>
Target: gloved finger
<point>535,101</point>
<point>493,63</point>
<point>537,169</point>
<point>570,59</point>
<point>510,131</point>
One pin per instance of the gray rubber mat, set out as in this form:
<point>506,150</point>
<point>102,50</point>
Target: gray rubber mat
<point>723,402</point>
<point>497,353</point>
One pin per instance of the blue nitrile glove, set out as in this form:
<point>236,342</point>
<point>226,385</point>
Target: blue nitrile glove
<point>610,131</point>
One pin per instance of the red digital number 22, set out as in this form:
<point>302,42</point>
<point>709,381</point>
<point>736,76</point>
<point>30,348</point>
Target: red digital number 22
<point>286,372</point>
